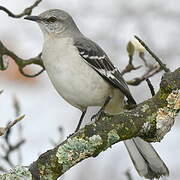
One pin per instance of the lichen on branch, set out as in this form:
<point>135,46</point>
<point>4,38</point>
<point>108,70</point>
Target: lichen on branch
<point>19,173</point>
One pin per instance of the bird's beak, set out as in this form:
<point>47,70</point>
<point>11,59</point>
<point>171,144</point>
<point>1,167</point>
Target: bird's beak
<point>33,18</point>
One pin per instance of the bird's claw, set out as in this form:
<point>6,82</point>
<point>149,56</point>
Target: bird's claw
<point>70,135</point>
<point>96,116</point>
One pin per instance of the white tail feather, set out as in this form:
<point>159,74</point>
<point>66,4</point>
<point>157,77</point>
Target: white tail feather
<point>145,159</point>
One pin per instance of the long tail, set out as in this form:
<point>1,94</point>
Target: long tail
<point>145,159</point>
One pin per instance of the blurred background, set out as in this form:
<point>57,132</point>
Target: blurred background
<point>111,24</point>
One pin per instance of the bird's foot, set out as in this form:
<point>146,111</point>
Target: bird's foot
<point>96,116</point>
<point>70,135</point>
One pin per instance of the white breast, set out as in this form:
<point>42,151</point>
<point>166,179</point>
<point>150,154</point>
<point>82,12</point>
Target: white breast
<point>74,80</point>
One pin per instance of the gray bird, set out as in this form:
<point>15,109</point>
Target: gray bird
<point>84,76</point>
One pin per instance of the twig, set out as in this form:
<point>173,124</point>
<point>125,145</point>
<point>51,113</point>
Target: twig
<point>152,69</point>
<point>142,56</point>
<point>153,55</point>
<point>150,87</point>
<point>7,148</point>
<point>130,67</point>
<point>3,130</point>
<point>31,75</point>
<point>25,12</point>
<point>21,63</point>
<point>12,148</point>
<point>136,81</point>
<point>150,66</point>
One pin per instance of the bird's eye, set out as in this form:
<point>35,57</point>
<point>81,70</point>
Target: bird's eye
<point>52,19</point>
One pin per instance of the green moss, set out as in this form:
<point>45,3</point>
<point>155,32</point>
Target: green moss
<point>77,149</point>
<point>18,173</point>
<point>113,137</point>
<point>47,170</point>
<point>151,118</point>
<point>162,95</point>
<point>145,107</point>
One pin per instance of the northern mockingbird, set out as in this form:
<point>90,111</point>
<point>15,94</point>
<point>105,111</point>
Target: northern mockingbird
<point>84,76</point>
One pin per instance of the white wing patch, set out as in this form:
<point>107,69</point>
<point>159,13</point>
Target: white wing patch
<point>103,69</point>
<point>94,56</point>
<point>108,74</point>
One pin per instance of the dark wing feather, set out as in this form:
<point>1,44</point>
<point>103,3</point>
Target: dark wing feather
<point>99,61</point>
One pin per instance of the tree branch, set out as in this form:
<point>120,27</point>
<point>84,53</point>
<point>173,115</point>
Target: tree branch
<point>3,130</point>
<point>150,87</point>
<point>151,72</point>
<point>153,55</point>
<point>7,147</point>
<point>152,69</point>
<point>21,63</point>
<point>27,11</point>
<point>150,120</point>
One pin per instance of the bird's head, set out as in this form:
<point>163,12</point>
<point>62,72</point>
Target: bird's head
<point>54,21</point>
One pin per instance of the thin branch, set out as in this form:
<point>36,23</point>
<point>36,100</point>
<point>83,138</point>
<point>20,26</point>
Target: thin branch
<point>7,147</point>
<point>142,56</point>
<point>130,67</point>
<point>151,69</point>
<point>3,130</point>
<point>149,66</point>
<point>150,87</point>
<point>25,12</point>
<point>21,63</point>
<point>163,66</point>
<point>31,75</point>
<point>136,81</point>
<point>9,150</point>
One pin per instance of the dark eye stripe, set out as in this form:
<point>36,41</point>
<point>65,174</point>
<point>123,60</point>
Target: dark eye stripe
<point>51,19</point>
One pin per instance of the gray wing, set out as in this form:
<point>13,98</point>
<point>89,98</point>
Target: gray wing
<point>99,61</point>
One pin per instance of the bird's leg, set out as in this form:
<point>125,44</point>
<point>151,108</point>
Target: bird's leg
<point>102,108</point>
<point>79,123</point>
<point>80,120</point>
